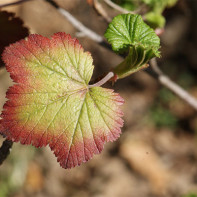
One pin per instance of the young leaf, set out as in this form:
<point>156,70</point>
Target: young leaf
<point>51,103</point>
<point>128,32</point>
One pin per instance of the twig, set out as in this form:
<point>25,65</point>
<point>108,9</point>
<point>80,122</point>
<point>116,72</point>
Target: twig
<point>99,8</point>
<point>83,30</point>
<point>5,150</point>
<point>118,8</point>
<point>102,81</point>
<point>13,3</point>
<point>78,25</point>
<point>167,82</point>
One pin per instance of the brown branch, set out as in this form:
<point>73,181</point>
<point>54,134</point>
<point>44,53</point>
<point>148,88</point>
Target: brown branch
<point>167,82</point>
<point>13,3</point>
<point>78,25</point>
<point>101,11</point>
<point>118,8</point>
<point>5,150</point>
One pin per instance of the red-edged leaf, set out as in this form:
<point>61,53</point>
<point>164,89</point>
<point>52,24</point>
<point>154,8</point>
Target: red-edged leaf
<point>51,103</point>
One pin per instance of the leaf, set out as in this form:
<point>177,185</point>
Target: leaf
<point>11,30</point>
<point>127,30</point>
<point>51,103</point>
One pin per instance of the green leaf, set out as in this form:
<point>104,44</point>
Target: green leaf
<point>51,102</point>
<point>128,32</point>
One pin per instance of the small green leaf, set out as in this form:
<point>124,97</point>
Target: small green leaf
<point>127,30</point>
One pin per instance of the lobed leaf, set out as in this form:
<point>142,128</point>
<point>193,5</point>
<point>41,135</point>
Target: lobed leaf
<point>51,103</point>
<point>127,30</point>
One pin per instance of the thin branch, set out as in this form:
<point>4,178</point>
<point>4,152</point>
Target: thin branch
<point>5,150</point>
<point>99,8</point>
<point>167,82</point>
<point>102,81</point>
<point>118,8</point>
<point>78,25</point>
<point>83,30</point>
<point>13,3</point>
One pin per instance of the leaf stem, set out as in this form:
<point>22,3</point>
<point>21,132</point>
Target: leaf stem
<point>101,11</point>
<point>102,81</point>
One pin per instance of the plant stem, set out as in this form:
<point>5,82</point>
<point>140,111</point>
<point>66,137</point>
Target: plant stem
<point>101,11</point>
<point>118,8</point>
<point>78,25</point>
<point>5,150</point>
<point>167,82</point>
<point>102,81</point>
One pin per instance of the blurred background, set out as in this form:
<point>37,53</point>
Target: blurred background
<point>156,155</point>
